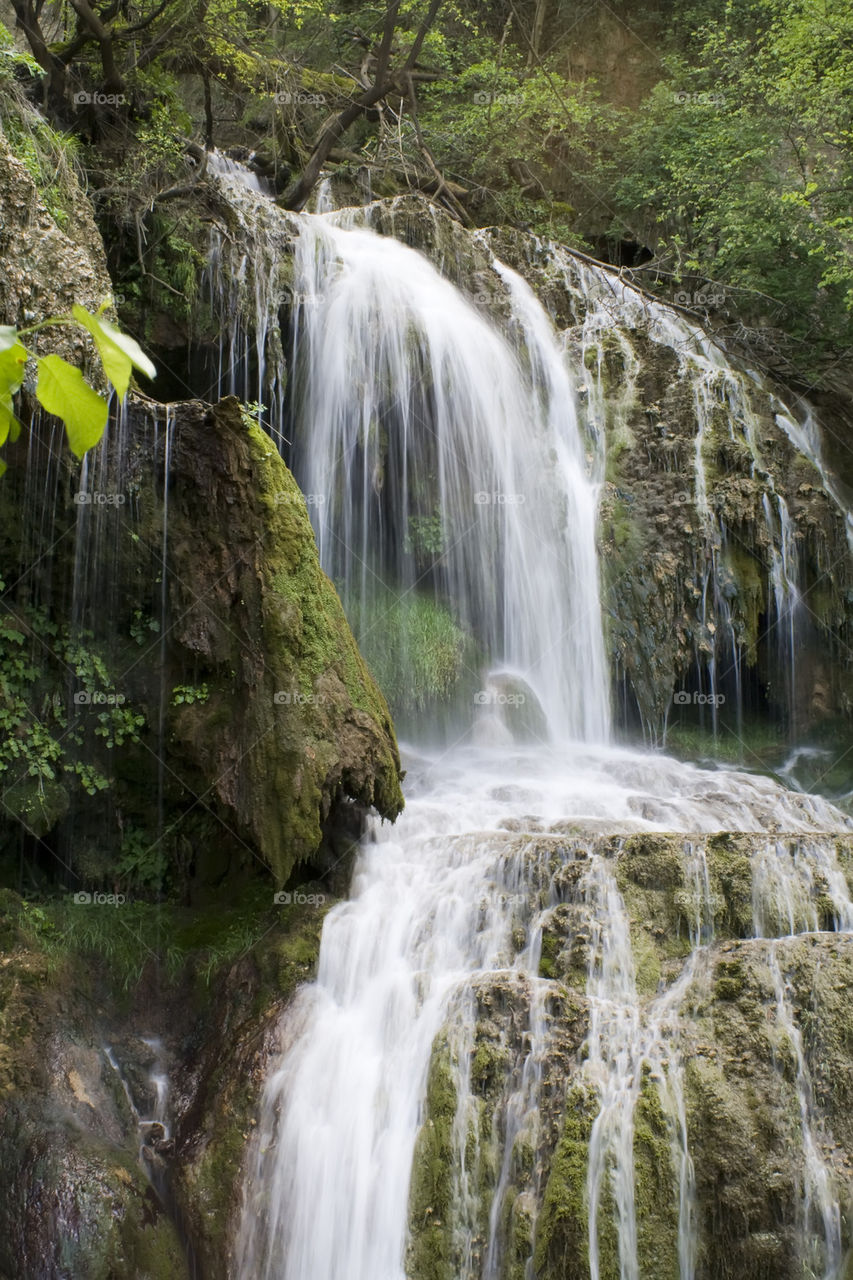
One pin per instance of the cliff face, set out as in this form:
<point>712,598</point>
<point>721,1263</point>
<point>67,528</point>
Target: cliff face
<point>726,1033</point>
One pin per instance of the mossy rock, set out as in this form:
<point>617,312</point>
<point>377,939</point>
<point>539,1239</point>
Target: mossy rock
<point>294,726</point>
<point>429,1255</point>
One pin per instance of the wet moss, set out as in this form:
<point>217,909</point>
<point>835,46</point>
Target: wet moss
<point>656,1187</point>
<point>561,1249</point>
<point>430,1227</point>
<point>730,876</point>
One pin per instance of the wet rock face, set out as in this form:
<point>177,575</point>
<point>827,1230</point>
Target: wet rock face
<point>125,1115</point>
<point>726,569</point>
<point>737,1045</point>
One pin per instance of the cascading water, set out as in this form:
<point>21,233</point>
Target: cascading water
<point>411,410</point>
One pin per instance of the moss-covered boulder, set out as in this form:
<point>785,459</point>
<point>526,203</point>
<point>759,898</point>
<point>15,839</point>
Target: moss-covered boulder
<point>294,726</point>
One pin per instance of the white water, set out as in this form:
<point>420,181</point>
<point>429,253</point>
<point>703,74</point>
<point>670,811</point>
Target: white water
<point>413,407</point>
<point>437,903</point>
<point>820,1213</point>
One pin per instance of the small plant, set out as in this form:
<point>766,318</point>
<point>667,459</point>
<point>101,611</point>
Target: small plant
<point>142,862</point>
<point>184,695</point>
<point>141,624</point>
<point>252,412</point>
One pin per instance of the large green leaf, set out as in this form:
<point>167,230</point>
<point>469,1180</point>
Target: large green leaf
<point>119,353</point>
<point>62,390</point>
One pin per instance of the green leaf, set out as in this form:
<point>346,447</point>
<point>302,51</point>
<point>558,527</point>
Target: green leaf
<point>13,359</point>
<point>119,353</point>
<point>9,425</point>
<point>62,390</point>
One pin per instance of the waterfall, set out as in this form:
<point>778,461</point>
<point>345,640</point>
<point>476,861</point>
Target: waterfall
<point>455,458</point>
<point>443,457</point>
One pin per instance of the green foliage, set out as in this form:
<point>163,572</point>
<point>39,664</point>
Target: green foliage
<point>415,650</point>
<point>426,538</point>
<point>13,59</point>
<point>142,863</point>
<point>49,743</point>
<point>142,626</point>
<point>187,694</point>
<point>61,388</point>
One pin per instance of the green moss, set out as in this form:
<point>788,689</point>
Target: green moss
<point>551,947</point>
<point>562,1229</point>
<point>415,650</point>
<point>730,876</point>
<point>729,980</point>
<point>430,1240</point>
<point>656,1187</point>
<point>746,571</point>
<point>312,620</point>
